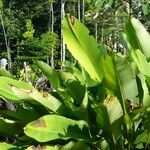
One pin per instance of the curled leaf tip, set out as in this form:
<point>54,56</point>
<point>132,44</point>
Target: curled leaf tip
<point>72,20</point>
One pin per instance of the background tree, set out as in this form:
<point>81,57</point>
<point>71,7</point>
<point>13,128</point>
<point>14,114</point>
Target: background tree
<point>104,18</point>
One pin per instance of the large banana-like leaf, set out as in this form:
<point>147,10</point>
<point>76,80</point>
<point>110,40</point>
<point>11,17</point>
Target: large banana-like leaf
<point>57,79</point>
<point>83,47</point>
<point>17,91</point>
<point>120,78</point>
<point>138,37</point>
<point>51,127</point>
<point>61,81</point>
<point>109,114</point>
<point>144,73</point>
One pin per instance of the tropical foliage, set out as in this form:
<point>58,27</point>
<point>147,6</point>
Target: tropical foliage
<point>99,102</point>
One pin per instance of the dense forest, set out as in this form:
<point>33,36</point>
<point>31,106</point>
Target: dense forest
<point>74,75</point>
<point>32,29</point>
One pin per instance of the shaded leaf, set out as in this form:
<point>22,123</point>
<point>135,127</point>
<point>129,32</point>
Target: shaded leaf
<point>142,138</point>
<point>9,128</point>
<point>21,114</point>
<point>146,96</point>
<point>120,79</point>
<point>76,91</point>
<point>76,146</point>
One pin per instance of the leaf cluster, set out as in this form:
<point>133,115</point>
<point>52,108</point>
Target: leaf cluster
<point>99,102</point>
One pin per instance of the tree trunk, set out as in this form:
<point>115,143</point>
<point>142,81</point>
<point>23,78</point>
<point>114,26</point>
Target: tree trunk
<point>96,26</point>
<point>52,30</point>
<point>25,72</point>
<point>116,33</point>
<point>83,9</point>
<point>7,43</point>
<point>79,10</point>
<point>102,31</point>
<point>47,59</point>
<point>62,40</point>
<point>9,56</point>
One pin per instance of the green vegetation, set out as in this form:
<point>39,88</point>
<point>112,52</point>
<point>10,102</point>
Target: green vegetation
<point>100,102</point>
<point>98,90</point>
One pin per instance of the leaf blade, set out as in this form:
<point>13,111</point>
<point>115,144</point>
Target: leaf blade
<point>83,47</point>
<point>51,127</point>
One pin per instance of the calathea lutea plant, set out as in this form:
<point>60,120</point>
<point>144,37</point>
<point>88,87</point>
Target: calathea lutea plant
<point>101,102</point>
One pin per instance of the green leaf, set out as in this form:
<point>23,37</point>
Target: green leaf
<point>110,2</point>
<point>6,91</point>
<point>119,78</point>
<point>57,79</point>
<point>13,90</point>
<point>6,146</point>
<point>21,114</point>
<point>110,78</point>
<point>5,73</point>
<point>75,71</point>
<point>144,74</point>
<point>65,77</point>
<point>140,146</point>
<point>104,145</point>
<point>143,138</point>
<point>9,128</point>
<point>145,8</point>
<point>83,47</point>
<point>51,127</point>
<point>50,1</point>
<point>146,96</point>
<point>76,146</point>
<point>88,81</point>
<point>141,62</point>
<point>80,74</point>
<point>76,91</point>
<point>138,37</point>
<point>98,4</point>
<point>42,148</point>
<point>126,79</point>
<point>108,118</point>
<point>50,73</point>
<point>1,7</point>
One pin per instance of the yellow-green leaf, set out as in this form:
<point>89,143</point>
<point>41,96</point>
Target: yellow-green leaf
<point>83,47</point>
